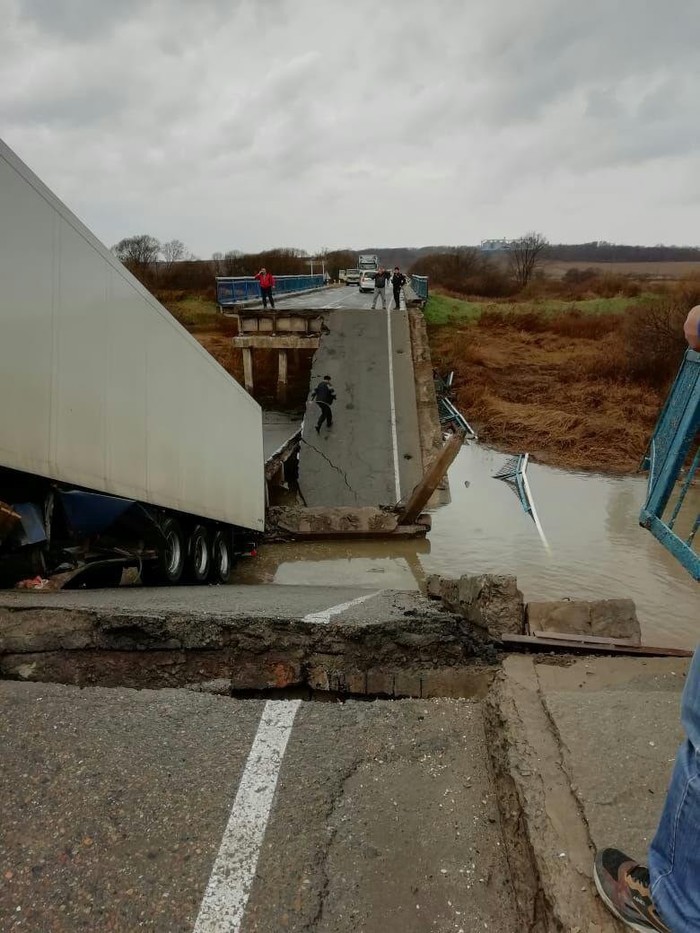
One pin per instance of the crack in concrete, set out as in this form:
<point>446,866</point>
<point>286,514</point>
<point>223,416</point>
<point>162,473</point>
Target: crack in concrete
<point>337,794</point>
<point>332,465</point>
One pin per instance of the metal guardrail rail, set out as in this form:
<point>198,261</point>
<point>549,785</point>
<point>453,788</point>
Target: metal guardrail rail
<point>231,289</point>
<point>419,284</point>
<point>672,508</point>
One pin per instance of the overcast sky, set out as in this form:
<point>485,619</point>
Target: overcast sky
<point>246,124</point>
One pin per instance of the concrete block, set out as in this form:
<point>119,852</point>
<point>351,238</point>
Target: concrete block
<point>609,618</point>
<point>433,586</point>
<point>449,593</point>
<point>407,684</point>
<point>568,616</point>
<point>492,602</point>
<point>380,681</point>
<point>616,618</point>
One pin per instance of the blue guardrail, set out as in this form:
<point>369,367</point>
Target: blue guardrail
<point>671,510</point>
<point>234,288</point>
<point>419,284</point>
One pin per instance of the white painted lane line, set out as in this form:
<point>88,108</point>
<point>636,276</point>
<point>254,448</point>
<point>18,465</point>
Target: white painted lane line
<point>226,897</point>
<point>324,616</point>
<point>392,402</point>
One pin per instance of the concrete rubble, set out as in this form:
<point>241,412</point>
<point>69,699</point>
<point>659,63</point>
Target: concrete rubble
<point>494,603</point>
<point>340,522</point>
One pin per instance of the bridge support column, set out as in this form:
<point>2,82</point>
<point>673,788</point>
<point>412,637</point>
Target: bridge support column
<point>282,377</point>
<point>248,369</point>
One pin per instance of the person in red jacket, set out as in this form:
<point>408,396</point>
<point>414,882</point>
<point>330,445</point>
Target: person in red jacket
<point>267,283</point>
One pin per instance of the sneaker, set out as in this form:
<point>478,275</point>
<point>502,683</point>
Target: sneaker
<point>624,886</point>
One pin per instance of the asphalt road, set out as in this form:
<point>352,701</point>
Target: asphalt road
<point>371,455</point>
<point>339,296</point>
<point>278,427</point>
<point>232,602</point>
<point>174,811</point>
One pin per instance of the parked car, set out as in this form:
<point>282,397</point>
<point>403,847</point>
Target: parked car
<point>367,281</point>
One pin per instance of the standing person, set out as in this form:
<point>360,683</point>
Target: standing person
<point>267,283</point>
<point>666,896</point>
<point>324,396</point>
<point>380,280</point>
<point>398,280</point>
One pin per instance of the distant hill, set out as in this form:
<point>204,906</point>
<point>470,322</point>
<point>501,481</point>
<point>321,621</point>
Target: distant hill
<point>597,251</point>
<point>405,256</point>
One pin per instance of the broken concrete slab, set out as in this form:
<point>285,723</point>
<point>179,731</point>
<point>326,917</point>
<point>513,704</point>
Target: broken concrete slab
<point>491,602</point>
<point>612,618</point>
<point>380,635</point>
<point>575,773</point>
<point>341,522</point>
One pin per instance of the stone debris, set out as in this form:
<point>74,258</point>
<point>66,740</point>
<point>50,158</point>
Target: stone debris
<point>493,603</point>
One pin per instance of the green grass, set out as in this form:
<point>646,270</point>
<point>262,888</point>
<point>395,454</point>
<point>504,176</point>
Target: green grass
<point>194,311</point>
<point>442,309</point>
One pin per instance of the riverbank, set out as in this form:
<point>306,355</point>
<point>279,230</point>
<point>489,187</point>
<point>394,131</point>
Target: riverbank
<point>549,380</point>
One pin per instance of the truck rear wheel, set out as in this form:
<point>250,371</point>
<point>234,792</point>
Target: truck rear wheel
<point>169,565</point>
<point>221,557</point>
<point>198,555</point>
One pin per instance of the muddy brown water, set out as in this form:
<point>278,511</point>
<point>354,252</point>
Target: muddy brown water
<point>595,547</point>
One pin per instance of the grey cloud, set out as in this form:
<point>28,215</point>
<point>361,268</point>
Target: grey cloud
<point>77,19</point>
<point>469,117</point>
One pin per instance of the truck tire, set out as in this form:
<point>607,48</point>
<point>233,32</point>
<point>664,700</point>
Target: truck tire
<point>221,557</point>
<point>169,565</point>
<point>198,555</point>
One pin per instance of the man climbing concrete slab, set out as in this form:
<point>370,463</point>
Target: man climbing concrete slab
<point>324,396</point>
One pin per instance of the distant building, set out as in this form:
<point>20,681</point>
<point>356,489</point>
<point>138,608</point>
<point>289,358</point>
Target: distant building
<point>494,246</point>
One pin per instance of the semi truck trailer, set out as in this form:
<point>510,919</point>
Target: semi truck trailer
<point>368,262</point>
<point>122,441</point>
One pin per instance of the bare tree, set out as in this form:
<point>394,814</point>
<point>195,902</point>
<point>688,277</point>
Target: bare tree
<point>173,251</point>
<point>525,255</point>
<point>138,253</point>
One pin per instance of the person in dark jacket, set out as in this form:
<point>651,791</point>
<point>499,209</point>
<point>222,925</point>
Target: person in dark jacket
<point>380,280</point>
<point>398,280</point>
<point>324,396</point>
<point>267,283</point>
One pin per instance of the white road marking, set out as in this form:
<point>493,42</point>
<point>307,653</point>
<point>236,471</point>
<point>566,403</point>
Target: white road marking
<point>392,403</point>
<point>324,616</point>
<point>227,893</point>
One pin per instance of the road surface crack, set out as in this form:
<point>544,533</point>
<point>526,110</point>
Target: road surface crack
<point>332,465</point>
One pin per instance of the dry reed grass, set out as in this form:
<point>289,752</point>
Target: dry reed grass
<point>556,386</point>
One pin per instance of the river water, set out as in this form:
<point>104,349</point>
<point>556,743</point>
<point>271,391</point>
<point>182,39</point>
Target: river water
<point>594,546</point>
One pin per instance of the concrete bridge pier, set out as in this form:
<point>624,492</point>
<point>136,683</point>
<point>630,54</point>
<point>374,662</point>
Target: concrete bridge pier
<point>282,376</point>
<point>248,369</point>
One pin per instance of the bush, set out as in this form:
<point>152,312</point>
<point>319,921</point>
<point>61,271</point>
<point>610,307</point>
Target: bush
<point>654,341</point>
<point>466,272</point>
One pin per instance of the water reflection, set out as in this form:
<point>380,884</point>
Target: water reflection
<point>596,547</point>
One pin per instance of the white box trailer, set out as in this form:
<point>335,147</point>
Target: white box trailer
<point>102,390</point>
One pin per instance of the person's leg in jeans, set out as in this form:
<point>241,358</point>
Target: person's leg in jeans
<point>397,298</point>
<point>667,894</point>
<point>674,856</point>
<point>326,415</point>
<point>263,295</point>
<point>272,300</point>
<point>376,295</point>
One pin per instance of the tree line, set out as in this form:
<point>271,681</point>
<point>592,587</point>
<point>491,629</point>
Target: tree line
<point>171,265</point>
